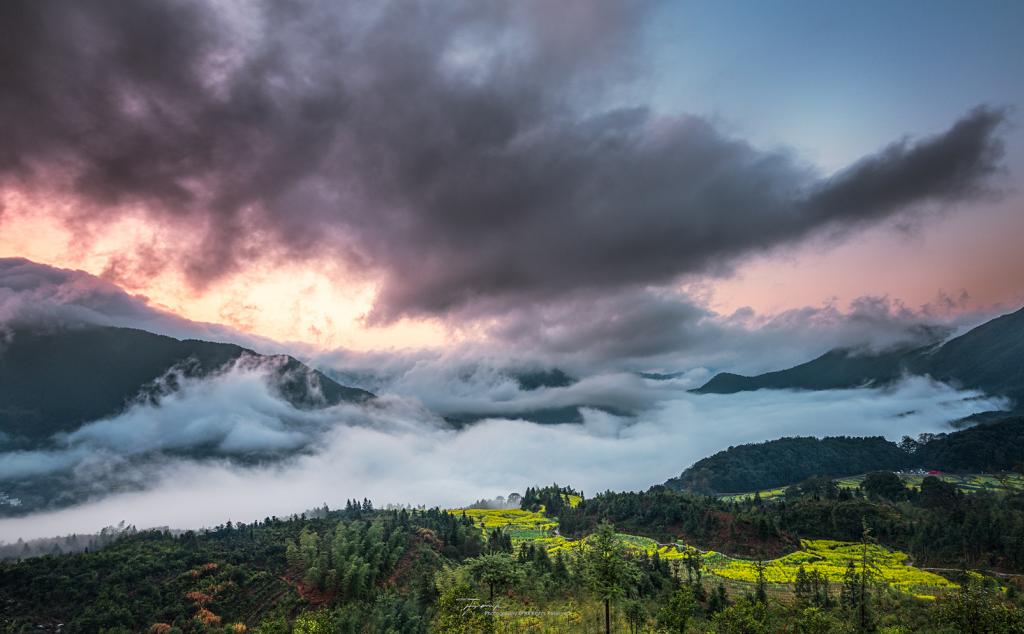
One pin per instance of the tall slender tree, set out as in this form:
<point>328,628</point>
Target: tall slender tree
<point>608,571</point>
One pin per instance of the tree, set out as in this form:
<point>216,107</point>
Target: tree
<point>693,560</point>
<point>744,617</point>
<point>863,614</point>
<point>854,593</point>
<point>679,609</point>
<point>607,570</point>
<point>719,600</point>
<point>848,593</point>
<point>976,609</point>
<point>802,587</point>
<point>636,615</point>
<point>559,570</point>
<point>908,444</point>
<point>454,615</point>
<point>761,594</point>
<point>498,541</point>
<point>496,570</point>
<point>884,484</point>
<point>817,621</point>
<point>820,596</point>
<point>936,494</point>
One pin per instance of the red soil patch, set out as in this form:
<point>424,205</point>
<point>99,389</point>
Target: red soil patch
<point>308,593</point>
<point>424,538</point>
<point>741,539</point>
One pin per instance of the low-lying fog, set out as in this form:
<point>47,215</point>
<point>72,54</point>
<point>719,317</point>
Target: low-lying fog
<point>396,451</point>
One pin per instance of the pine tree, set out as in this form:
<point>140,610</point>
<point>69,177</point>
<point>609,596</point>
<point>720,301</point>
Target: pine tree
<point>849,592</point>
<point>679,609</point>
<point>636,616</point>
<point>719,600</point>
<point>802,587</point>
<point>608,571</point>
<point>761,594</point>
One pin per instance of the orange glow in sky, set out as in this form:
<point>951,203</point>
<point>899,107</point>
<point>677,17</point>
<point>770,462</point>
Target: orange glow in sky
<point>321,304</point>
<point>313,303</point>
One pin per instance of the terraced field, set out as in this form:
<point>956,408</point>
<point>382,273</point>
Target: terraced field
<point>831,559</point>
<point>519,524</point>
<point>828,557</point>
<point>968,483</point>
<point>766,494</point>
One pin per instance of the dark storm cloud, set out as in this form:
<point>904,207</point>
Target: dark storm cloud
<point>656,329</point>
<point>464,154</point>
<point>950,166</point>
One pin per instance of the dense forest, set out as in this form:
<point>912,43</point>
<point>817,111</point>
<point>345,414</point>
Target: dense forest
<point>788,460</point>
<point>363,570</point>
<point>995,446</point>
<point>376,567</point>
<point>991,447</point>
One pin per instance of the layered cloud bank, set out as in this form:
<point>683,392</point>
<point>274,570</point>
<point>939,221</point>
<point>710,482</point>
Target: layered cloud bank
<point>192,461</point>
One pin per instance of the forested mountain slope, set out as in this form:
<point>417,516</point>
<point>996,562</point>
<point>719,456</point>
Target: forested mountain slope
<point>984,448</point>
<point>53,380</point>
<point>788,460</point>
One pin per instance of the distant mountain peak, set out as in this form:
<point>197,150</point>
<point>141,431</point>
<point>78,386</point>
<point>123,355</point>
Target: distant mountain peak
<point>989,357</point>
<point>99,371</point>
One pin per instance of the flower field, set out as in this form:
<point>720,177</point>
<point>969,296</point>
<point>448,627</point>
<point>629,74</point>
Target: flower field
<point>519,524</point>
<point>828,557</point>
<point>831,558</point>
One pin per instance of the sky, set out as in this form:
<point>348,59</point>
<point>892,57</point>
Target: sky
<point>382,176</point>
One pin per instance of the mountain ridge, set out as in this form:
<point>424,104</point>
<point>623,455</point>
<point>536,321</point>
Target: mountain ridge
<point>988,358</point>
<point>99,371</point>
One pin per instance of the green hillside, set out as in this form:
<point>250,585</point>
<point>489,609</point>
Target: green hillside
<point>990,447</point>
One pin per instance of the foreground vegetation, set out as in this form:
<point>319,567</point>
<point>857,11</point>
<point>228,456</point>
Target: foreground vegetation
<point>361,570</point>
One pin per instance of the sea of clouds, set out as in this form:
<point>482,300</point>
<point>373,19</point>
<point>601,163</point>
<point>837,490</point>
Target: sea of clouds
<point>230,448</point>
